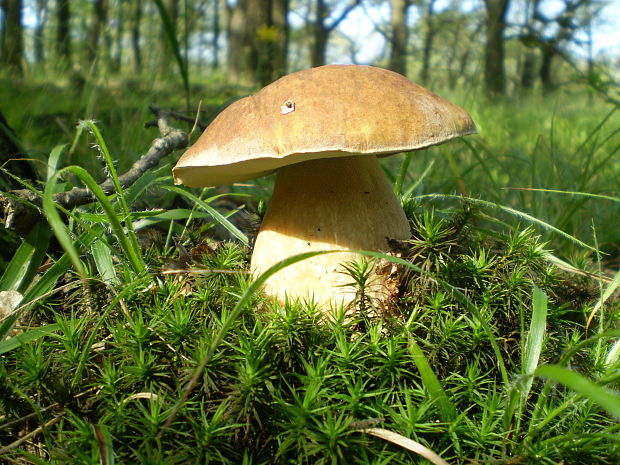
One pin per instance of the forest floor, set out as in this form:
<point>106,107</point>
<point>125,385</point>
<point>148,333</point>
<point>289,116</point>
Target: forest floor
<point>502,345</point>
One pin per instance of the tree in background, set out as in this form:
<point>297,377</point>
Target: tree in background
<point>457,47</point>
<point>215,38</point>
<point>136,19</point>
<point>322,26</point>
<point>2,23</point>
<point>12,52</point>
<point>528,62</point>
<point>453,42</point>
<point>117,59</point>
<point>39,46</point>
<point>494,74</point>
<point>63,34</point>
<point>98,24</point>
<point>550,34</point>
<point>399,35</point>
<point>257,40</point>
<point>166,55</point>
<point>432,27</point>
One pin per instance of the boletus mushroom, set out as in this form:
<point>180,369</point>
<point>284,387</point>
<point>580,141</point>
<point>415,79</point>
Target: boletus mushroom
<point>321,130</point>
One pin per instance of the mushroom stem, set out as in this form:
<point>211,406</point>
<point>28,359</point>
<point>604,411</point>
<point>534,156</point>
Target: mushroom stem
<point>343,203</point>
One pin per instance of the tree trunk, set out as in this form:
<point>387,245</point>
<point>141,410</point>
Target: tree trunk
<point>117,60</point>
<point>320,35</point>
<point>2,23</point>
<point>427,49</point>
<point>279,20</point>
<point>546,79</point>
<point>527,71</point>
<point>215,39</point>
<point>321,30</point>
<point>99,20</point>
<point>136,18</point>
<point>238,18</point>
<point>258,41</point>
<point>400,35</point>
<point>494,75</point>
<point>39,49</point>
<point>63,35</point>
<point>13,43</point>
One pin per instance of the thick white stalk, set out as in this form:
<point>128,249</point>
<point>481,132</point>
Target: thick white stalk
<point>343,203</point>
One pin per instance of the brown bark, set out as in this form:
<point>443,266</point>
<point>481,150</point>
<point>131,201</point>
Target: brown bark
<point>400,35</point>
<point>494,74</point>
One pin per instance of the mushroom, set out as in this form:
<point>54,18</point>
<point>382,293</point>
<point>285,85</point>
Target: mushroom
<point>321,130</point>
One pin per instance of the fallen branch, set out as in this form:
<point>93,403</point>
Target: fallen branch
<point>22,208</point>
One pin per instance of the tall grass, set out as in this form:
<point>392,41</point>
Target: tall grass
<point>529,148</point>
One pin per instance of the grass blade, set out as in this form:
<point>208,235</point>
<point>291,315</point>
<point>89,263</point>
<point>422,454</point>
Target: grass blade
<point>609,401</point>
<point>231,228</point>
<point>54,158</point>
<point>105,442</point>
<point>23,266</point>
<point>520,392</point>
<point>535,337</point>
<point>103,261</point>
<point>58,226</point>
<point>555,191</point>
<point>129,248</point>
<point>420,178</point>
<point>24,338</point>
<point>50,277</point>
<point>398,183</point>
<point>613,355</point>
<point>511,211</point>
<point>131,235</point>
<point>431,382</point>
<point>606,294</point>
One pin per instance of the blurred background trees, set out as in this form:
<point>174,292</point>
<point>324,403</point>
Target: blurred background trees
<point>509,46</point>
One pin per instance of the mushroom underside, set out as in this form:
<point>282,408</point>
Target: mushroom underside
<point>344,204</point>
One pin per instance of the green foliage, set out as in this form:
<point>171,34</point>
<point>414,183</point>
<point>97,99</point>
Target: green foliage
<point>489,353</point>
<point>210,378</point>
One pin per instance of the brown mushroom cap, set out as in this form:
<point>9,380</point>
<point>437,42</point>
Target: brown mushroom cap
<point>330,111</point>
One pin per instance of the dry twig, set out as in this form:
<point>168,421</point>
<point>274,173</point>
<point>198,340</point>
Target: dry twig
<point>22,208</point>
